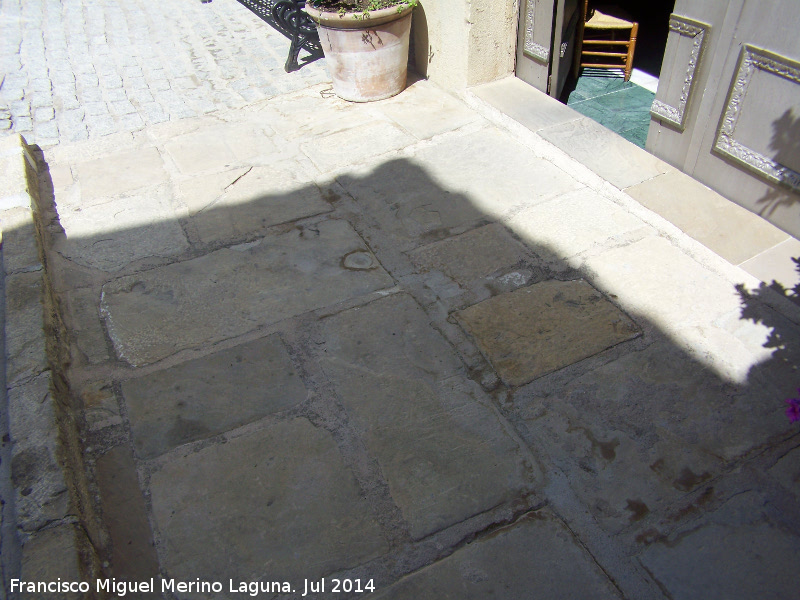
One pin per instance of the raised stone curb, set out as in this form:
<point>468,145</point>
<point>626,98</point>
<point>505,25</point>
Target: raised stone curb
<point>44,534</point>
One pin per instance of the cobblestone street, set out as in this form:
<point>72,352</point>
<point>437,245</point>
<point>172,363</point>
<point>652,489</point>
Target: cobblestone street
<point>81,69</point>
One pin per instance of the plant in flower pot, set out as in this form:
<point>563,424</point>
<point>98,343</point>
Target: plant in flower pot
<point>365,44</point>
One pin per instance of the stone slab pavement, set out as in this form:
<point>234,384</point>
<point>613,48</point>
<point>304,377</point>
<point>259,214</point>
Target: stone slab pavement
<point>402,345</point>
<point>402,349</point>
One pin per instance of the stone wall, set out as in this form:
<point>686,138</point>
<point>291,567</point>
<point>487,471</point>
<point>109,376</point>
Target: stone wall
<point>461,43</point>
<point>492,40</point>
<point>46,534</point>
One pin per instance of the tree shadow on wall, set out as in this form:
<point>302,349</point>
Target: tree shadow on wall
<point>785,143</point>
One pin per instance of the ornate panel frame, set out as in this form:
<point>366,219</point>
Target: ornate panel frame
<point>676,115</point>
<point>530,48</point>
<point>751,59</point>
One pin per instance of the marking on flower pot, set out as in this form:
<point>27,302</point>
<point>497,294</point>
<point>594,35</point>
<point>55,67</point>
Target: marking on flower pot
<point>366,37</point>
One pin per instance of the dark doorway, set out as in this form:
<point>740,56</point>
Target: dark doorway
<point>604,96</point>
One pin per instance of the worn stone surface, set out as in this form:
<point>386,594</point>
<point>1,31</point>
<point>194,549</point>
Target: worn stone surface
<point>533,331</point>
<point>125,516</point>
<point>110,234</point>
<point>709,218</point>
<point>472,255</point>
<point>443,190</point>
<point>100,404</point>
<point>313,112</point>
<point>738,553</point>
<point>445,453</point>
<point>235,290</point>
<point>686,287</point>
<point>495,172</point>
<point>623,446</point>
<point>83,315</point>
<point>18,183</point>
<point>621,467</point>
<point>683,419</point>
<point>409,203</point>
<point>525,104</point>
<point>348,146</point>
<point>24,334</point>
<point>778,265</point>
<point>41,490</point>
<point>621,163</point>
<point>120,173</point>
<point>218,147</point>
<point>278,503</point>
<point>38,562</point>
<point>572,224</point>
<point>210,395</point>
<point>262,197</point>
<point>536,557</point>
<point>787,471</point>
<point>20,249</point>
<point>696,307</point>
<point>199,191</point>
<point>425,112</point>
<point>60,176</point>
<point>10,553</point>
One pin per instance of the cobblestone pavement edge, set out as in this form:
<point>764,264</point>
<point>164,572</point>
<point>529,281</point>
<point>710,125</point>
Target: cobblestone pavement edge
<point>82,69</point>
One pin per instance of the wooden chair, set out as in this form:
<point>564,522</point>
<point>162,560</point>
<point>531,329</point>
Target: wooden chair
<point>607,39</point>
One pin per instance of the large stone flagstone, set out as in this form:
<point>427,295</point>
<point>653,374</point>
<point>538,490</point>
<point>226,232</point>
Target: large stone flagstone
<point>110,234</point>
<point>737,553</point>
<point>125,516</point>
<point>663,389</point>
<point>274,505</point>
<point>536,330</point>
<point>20,251</point>
<point>706,216</point>
<point>424,111</point>
<point>494,171</point>
<point>621,477</point>
<point>120,173</point>
<point>24,332</point>
<point>697,307</point>
<point>573,223</point>
<point>535,558</point>
<point>619,162</point>
<point>452,185</point>
<point>355,145</point>
<point>472,255</point>
<point>210,395</point>
<point>445,454</point>
<point>261,197</point>
<point>218,148</point>
<point>226,293</point>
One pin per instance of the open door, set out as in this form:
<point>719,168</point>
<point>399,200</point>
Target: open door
<point>546,43</point>
<point>727,110</point>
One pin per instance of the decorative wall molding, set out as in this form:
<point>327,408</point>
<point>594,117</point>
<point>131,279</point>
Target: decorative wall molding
<point>676,115</point>
<point>531,48</point>
<point>750,60</point>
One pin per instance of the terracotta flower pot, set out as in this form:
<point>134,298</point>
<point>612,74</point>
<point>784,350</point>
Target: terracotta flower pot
<point>367,57</point>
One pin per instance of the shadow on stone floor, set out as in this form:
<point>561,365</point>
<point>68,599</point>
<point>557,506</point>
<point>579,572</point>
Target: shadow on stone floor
<point>369,375</point>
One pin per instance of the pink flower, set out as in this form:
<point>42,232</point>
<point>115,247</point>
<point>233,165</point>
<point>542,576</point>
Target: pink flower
<point>793,411</point>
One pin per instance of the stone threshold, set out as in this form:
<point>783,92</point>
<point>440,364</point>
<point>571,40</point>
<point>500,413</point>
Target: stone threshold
<point>47,530</point>
<point>739,236</point>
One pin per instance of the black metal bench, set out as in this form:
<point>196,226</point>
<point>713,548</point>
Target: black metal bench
<point>288,17</point>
